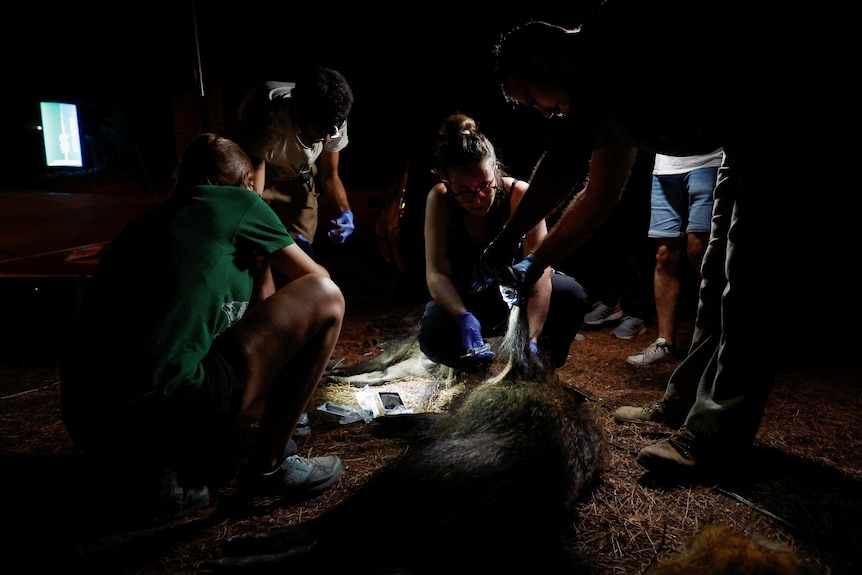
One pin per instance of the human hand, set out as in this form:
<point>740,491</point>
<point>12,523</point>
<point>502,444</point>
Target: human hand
<point>495,263</point>
<point>526,273</point>
<point>471,337</point>
<point>342,227</point>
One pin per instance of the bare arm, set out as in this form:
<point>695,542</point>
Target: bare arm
<point>556,176</point>
<point>438,269</point>
<point>609,171</point>
<point>540,295</point>
<point>259,179</point>
<point>330,181</point>
<point>293,262</point>
<point>552,181</point>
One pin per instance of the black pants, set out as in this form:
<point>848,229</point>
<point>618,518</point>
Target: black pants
<point>440,336</point>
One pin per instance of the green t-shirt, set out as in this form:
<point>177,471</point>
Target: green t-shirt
<point>170,283</point>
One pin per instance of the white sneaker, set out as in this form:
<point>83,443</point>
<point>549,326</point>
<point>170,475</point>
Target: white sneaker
<point>657,352</point>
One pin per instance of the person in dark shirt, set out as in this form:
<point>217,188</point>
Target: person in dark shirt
<point>786,201</point>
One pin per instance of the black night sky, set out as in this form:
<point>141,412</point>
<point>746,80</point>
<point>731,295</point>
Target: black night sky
<point>128,65</point>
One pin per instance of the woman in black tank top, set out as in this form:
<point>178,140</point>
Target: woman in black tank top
<point>464,212</point>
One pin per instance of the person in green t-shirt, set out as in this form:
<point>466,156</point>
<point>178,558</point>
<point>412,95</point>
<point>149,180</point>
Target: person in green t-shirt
<point>182,343</point>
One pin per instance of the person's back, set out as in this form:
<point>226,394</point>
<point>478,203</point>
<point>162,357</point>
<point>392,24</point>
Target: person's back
<point>165,290</point>
<point>158,296</point>
<point>169,357</point>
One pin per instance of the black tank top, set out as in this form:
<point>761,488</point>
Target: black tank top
<point>463,251</point>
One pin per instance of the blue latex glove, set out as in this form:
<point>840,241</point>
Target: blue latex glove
<point>342,227</point>
<point>471,337</point>
<point>495,264</point>
<point>526,273</point>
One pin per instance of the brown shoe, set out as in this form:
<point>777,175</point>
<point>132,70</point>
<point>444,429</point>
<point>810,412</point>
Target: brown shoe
<point>673,455</point>
<point>657,413</point>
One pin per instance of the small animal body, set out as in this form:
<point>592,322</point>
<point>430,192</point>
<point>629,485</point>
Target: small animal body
<point>488,487</point>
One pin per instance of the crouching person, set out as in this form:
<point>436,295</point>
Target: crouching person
<point>464,212</point>
<point>181,344</point>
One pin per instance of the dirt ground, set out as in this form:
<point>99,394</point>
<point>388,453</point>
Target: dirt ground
<point>802,489</point>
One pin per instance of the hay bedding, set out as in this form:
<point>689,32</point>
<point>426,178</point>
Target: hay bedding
<point>800,492</point>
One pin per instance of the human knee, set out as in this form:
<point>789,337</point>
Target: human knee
<point>667,257</point>
<point>436,331</point>
<point>440,340</point>
<point>567,291</point>
<point>330,296</point>
<point>442,350</point>
<point>319,293</point>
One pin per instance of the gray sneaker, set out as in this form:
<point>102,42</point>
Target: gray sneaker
<point>629,327</point>
<point>657,352</point>
<point>603,314</point>
<point>302,427</point>
<point>296,477</point>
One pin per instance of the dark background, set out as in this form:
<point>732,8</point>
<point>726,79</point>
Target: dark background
<point>136,70</point>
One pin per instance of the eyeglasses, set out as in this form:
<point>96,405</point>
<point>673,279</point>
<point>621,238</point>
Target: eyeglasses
<point>468,196</point>
<point>316,135</point>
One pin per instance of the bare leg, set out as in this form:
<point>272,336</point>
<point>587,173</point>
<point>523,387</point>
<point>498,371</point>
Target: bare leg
<point>696,247</point>
<point>263,280</point>
<point>287,341</point>
<point>666,286</point>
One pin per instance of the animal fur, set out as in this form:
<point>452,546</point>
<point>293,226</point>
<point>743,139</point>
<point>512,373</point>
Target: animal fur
<point>401,360</point>
<point>488,487</point>
<point>719,550</point>
<point>514,348</point>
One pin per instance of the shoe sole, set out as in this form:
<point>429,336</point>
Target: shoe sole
<point>664,467</point>
<point>622,421</point>
<point>647,364</point>
<point>249,492</point>
<point>613,317</point>
<point>640,331</point>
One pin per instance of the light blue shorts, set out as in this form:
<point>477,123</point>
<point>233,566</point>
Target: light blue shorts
<point>681,203</point>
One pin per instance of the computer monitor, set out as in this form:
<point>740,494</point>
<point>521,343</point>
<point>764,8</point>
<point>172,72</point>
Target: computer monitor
<point>61,135</point>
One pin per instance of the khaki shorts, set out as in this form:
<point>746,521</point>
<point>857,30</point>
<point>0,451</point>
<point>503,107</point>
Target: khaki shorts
<point>295,203</point>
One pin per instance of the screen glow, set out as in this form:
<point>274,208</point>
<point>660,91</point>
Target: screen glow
<point>61,135</point>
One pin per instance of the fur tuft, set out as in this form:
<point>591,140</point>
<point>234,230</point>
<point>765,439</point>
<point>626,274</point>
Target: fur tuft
<point>719,550</point>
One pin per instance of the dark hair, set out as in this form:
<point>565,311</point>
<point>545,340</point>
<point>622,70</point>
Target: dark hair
<point>210,159</point>
<point>535,52</point>
<point>322,97</point>
<point>460,143</point>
